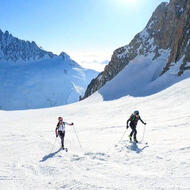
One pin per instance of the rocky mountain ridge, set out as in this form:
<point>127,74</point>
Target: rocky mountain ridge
<point>168,29</point>
<point>13,49</point>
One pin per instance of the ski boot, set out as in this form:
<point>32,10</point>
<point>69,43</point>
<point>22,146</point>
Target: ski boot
<point>130,138</point>
<point>66,150</point>
<point>135,140</point>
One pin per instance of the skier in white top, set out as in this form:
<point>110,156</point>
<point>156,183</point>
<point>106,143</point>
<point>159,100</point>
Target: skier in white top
<point>60,130</point>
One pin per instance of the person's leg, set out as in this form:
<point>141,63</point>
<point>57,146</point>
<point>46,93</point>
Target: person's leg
<point>135,134</point>
<point>61,135</point>
<point>62,140</point>
<point>132,132</point>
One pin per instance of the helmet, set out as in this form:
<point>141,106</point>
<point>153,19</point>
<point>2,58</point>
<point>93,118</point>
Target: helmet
<point>60,118</point>
<point>136,112</point>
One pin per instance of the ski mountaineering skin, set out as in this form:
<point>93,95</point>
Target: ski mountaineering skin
<point>60,131</point>
<point>134,118</point>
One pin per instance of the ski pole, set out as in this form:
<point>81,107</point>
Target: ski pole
<point>123,135</point>
<point>143,134</point>
<point>53,145</point>
<point>77,137</point>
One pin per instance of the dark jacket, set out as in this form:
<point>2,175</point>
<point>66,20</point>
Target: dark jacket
<point>134,120</point>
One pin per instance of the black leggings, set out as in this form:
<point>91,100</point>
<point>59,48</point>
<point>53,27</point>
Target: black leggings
<point>62,135</point>
<point>134,131</point>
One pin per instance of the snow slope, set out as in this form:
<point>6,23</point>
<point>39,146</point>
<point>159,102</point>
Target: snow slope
<point>141,77</point>
<point>31,77</point>
<point>28,159</point>
<point>44,83</point>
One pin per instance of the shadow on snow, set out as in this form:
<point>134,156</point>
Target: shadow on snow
<point>135,147</point>
<point>50,155</point>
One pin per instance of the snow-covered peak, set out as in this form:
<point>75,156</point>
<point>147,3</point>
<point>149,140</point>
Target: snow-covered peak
<point>64,55</point>
<point>66,58</point>
<point>48,80</point>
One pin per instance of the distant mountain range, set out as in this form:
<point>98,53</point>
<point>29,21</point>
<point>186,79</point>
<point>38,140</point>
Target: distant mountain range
<point>14,49</point>
<point>156,58</point>
<point>34,78</point>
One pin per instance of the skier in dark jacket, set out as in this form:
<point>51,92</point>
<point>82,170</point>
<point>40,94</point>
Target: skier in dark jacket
<point>60,130</point>
<point>135,117</point>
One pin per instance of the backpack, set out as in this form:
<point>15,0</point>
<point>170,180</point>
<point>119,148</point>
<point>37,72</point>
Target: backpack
<point>133,117</point>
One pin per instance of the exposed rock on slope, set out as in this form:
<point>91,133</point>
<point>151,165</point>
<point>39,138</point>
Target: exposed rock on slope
<point>167,29</point>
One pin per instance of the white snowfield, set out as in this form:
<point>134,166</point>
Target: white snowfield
<point>28,159</point>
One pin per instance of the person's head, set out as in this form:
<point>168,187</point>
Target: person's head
<point>60,119</point>
<point>136,113</point>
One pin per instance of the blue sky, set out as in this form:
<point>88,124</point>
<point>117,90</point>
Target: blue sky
<point>88,30</point>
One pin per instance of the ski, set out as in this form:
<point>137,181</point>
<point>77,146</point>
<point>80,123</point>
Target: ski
<point>146,143</point>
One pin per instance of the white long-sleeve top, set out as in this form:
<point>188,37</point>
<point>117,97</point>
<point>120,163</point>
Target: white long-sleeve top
<point>61,126</point>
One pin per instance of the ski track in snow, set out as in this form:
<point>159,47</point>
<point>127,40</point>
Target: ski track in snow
<point>30,161</point>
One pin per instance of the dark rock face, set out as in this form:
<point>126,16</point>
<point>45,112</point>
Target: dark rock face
<point>179,14</point>
<point>167,29</point>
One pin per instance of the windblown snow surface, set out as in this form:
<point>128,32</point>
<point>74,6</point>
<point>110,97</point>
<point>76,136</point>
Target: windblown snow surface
<point>29,158</point>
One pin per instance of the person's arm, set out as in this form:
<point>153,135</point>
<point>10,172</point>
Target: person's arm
<point>142,120</point>
<point>68,123</point>
<point>128,123</point>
